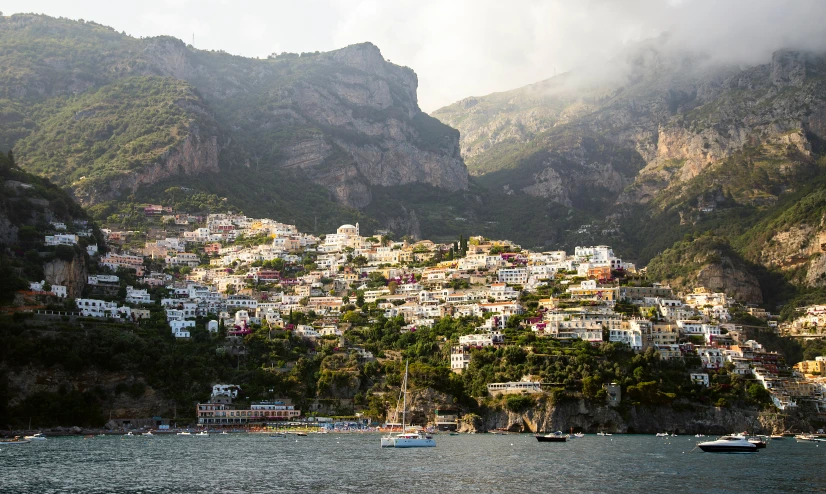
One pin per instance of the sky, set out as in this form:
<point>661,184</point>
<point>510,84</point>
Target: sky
<point>462,48</point>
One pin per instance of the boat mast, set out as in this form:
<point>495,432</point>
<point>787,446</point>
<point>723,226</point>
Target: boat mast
<point>404,404</point>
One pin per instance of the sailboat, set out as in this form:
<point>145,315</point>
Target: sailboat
<point>405,439</point>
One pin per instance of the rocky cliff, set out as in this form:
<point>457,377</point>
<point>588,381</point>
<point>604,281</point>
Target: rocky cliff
<point>156,110</point>
<point>71,274</point>
<point>679,114</point>
<point>591,418</point>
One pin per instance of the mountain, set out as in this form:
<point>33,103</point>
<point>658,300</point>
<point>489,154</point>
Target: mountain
<point>30,209</point>
<point>657,145</point>
<point>118,119</point>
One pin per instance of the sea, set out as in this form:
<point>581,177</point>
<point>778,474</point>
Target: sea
<point>344,463</point>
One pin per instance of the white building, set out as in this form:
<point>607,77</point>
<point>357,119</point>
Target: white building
<point>61,239</point>
<point>513,276</point>
<point>459,359</point>
<point>479,340</point>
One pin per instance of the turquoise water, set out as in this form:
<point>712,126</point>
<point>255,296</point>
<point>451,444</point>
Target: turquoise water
<point>356,463</point>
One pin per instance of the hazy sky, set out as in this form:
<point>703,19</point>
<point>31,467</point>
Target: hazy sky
<point>463,48</point>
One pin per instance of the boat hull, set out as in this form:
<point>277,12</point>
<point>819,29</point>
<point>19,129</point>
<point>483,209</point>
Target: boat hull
<point>712,448</point>
<point>551,439</point>
<point>400,442</point>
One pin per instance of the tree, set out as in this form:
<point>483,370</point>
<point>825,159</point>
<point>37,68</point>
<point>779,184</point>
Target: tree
<point>392,286</point>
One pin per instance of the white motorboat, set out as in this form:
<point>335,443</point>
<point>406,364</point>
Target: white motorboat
<point>809,438</point>
<point>36,437</point>
<point>407,439</point>
<point>699,435</point>
<point>16,441</point>
<point>602,433</point>
<point>148,434</point>
<point>202,434</point>
<point>728,444</point>
<point>184,433</point>
<point>662,434</point>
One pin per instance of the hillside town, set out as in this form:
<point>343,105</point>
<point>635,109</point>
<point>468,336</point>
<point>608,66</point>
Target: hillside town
<point>234,273</point>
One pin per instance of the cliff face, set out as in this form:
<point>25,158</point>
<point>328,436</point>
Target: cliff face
<point>347,120</point>
<point>194,155</point>
<point>679,114</point>
<point>72,275</point>
<point>590,418</point>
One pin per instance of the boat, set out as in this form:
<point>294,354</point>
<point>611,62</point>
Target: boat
<point>278,435</point>
<point>603,433</point>
<point>699,435</point>
<point>759,441</point>
<point>148,434</point>
<point>554,437</point>
<point>224,433</point>
<point>728,444</point>
<point>809,438</point>
<point>36,437</point>
<point>202,434</point>
<point>301,434</point>
<point>579,435</point>
<point>662,434</point>
<point>184,433</point>
<point>16,440</point>
<point>407,439</point>
<point>453,434</point>
<point>774,437</point>
<point>129,434</point>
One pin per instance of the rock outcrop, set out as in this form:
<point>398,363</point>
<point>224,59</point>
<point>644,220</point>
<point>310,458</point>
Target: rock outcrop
<point>196,154</point>
<point>71,274</point>
<point>591,418</point>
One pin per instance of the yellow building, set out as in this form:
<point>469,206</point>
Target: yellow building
<point>813,367</point>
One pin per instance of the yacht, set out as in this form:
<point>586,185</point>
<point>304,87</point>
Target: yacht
<point>759,441</point>
<point>810,438</point>
<point>554,437</point>
<point>728,444</point>
<point>36,437</point>
<point>407,439</point>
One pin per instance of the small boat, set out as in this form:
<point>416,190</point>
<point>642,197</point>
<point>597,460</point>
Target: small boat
<point>453,434</point>
<point>302,434</point>
<point>728,444</point>
<point>602,433</point>
<point>699,435</point>
<point>129,434</point>
<point>554,437</point>
<point>14,442</point>
<point>579,435</point>
<point>148,434</point>
<point>662,434</point>
<point>184,433</point>
<point>278,435</point>
<point>202,434</point>
<point>224,433</point>
<point>809,438</point>
<point>774,437</point>
<point>36,437</point>
<point>758,441</point>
